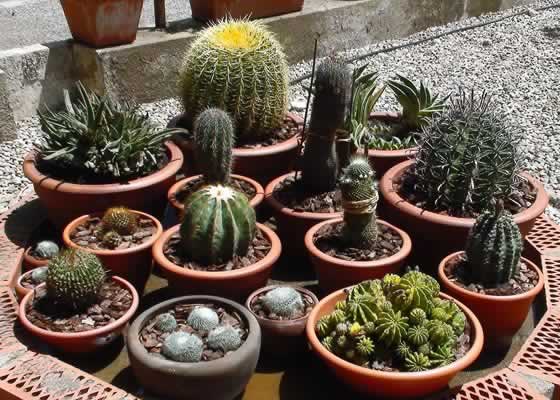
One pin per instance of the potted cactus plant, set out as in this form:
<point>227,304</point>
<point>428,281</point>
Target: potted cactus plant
<point>467,158</point>
<point>492,278</point>
<point>121,238</point>
<point>240,67</point>
<point>39,254</point>
<point>357,247</point>
<point>218,248</point>
<point>194,347</point>
<point>78,309</point>
<point>282,313</point>
<point>213,141</point>
<point>216,10</point>
<point>28,281</point>
<point>97,153</point>
<point>395,338</point>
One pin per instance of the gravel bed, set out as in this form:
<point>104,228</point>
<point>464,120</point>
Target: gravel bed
<point>516,60</point>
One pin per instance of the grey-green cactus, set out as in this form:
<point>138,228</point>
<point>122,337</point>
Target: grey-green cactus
<point>283,301</point>
<point>224,338</point>
<point>183,347</point>
<point>39,275</point>
<point>46,249</point>
<point>203,319</point>
<point>166,322</point>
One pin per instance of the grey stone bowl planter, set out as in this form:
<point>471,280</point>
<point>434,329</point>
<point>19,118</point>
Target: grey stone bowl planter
<point>221,379</point>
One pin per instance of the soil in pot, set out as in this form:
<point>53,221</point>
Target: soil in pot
<point>291,193</point>
<point>193,185</point>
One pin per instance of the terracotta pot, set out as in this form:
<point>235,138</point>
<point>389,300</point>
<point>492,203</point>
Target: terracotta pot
<point>21,290</point>
<point>261,164</point>
<point>220,379</point>
<point>179,206</point>
<point>219,9</point>
<point>512,310</point>
<point>335,273</point>
<point>101,23</point>
<point>133,264</point>
<point>30,262</point>
<point>292,225</point>
<point>79,342</point>
<point>235,284</point>
<point>394,385</point>
<point>436,235</point>
<point>281,338</point>
<point>67,201</point>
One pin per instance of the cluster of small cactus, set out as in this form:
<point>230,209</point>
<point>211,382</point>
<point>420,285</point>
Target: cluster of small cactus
<point>494,248</point>
<point>401,320</point>
<point>239,67</point>
<point>46,249</point>
<point>74,278</point>
<point>116,223</point>
<point>283,301</point>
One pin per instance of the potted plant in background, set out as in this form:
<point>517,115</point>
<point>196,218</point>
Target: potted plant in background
<point>213,140</point>
<point>219,9</point>
<point>467,158</point>
<point>492,278</point>
<point>78,309</point>
<point>39,254</point>
<point>96,154</point>
<point>121,238</point>
<point>395,338</point>
<point>358,247</point>
<point>240,67</point>
<point>28,281</point>
<point>194,347</point>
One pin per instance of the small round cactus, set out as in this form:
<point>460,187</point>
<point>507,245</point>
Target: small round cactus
<point>224,338</point>
<point>46,249</point>
<point>121,220</point>
<point>203,319</point>
<point>284,302</point>
<point>183,347</point>
<point>39,275</point>
<point>417,362</point>
<point>166,322</point>
<point>111,240</point>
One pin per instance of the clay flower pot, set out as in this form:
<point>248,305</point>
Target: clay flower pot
<point>66,201</point>
<point>79,342</point>
<point>281,338</point>
<point>436,235</point>
<point>261,164</point>
<point>500,316</point>
<point>219,9</point>
<point>220,379</point>
<point>292,225</point>
<point>179,206</point>
<point>394,385</point>
<point>30,262</point>
<point>101,23</point>
<point>335,273</point>
<point>236,284</point>
<point>133,264</point>
<point>21,290</point>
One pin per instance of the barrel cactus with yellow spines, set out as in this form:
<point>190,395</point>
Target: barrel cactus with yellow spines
<point>120,220</point>
<point>239,67</point>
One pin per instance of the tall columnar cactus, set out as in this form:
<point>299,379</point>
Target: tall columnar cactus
<point>494,247</point>
<point>120,220</point>
<point>218,224</point>
<point>359,201</point>
<point>213,141</point>
<point>333,86</point>
<point>240,67</point>
<point>74,278</point>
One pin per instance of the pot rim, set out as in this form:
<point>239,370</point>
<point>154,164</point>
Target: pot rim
<point>134,346</point>
<point>170,169</point>
<point>22,315</point>
<point>268,288</point>
<point>503,299</point>
<point>27,257</point>
<point>470,356</point>
<point>281,208</point>
<point>107,252</point>
<point>254,201</point>
<point>264,263</point>
<point>392,197</point>
<point>404,252</point>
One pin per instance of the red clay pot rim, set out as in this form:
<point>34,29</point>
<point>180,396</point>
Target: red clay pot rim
<point>456,366</point>
<point>79,335</point>
<point>175,162</point>
<point>504,299</point>
<point>271,257</point>
<point>254,202</point>
<point>18,281</point>
<point>272,201</point>
<point>392,197</point>
<point>107,252</point>
<point>389,116</point>
<point>270,287</point>
<point>27,257</point>
<point>401,254</point>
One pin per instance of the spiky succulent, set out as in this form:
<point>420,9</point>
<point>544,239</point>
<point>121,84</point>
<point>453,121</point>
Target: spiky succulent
<point>183,347</point>
<point>239,67</point>
<point>441,356</point>
<point>418,335</point>
<point>111,240</point>
<point>224,338</point>
<point>46,249</point>
<point>417,316</point>
<point>283,301</point>
<point>120,220</point>
<point>203,319</point>
<point>415,290</point>
<point>417,362</point>
<point>166,322</point>
<point>391,327</point>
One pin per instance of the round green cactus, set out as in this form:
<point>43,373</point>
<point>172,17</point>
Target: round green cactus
<point>111,240</point>
<point>328,343</point>
<point>323,327</point>
<point>363,309</point>
<point>239,67</point>
<point>441,356</point>
<point>417,316</point>
<point>391,327</point>
<point>121,220</point>
<point>417,362</point>
<point>415,290</point>
<point>418,335</point>
<point>183,347</point>
<point>166,322</point>
<point>74,278</point>
<point>203,319</point>
<point>224,338</point>
<point>440,332</point>
<point>39,275</point>
<point>218,224</point>
<point>46,249</point>
<point>403,350</point>
<point>365,346</point>
<point>283,301</point>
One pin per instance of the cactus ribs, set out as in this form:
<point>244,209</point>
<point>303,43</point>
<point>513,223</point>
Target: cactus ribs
<point>192,186</point>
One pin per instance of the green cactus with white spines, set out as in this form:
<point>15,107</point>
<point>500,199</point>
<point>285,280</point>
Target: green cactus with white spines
<point>74,278</point>
<point>392,327</point>
<point>203,319</point>
<point>213,143</point>
<point>166,322</point>
<point>218,224</point>
<point>417,362</point>
<point>120,220</point>
<point>111,240</point>
<point>224,338</point>
<point>283,301</point>
<point>239,67</point>
<point>494,247</point>
<point>183,347</point>
<point>46,249</point>
<point>39,275</point>
<point>415,290</point>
